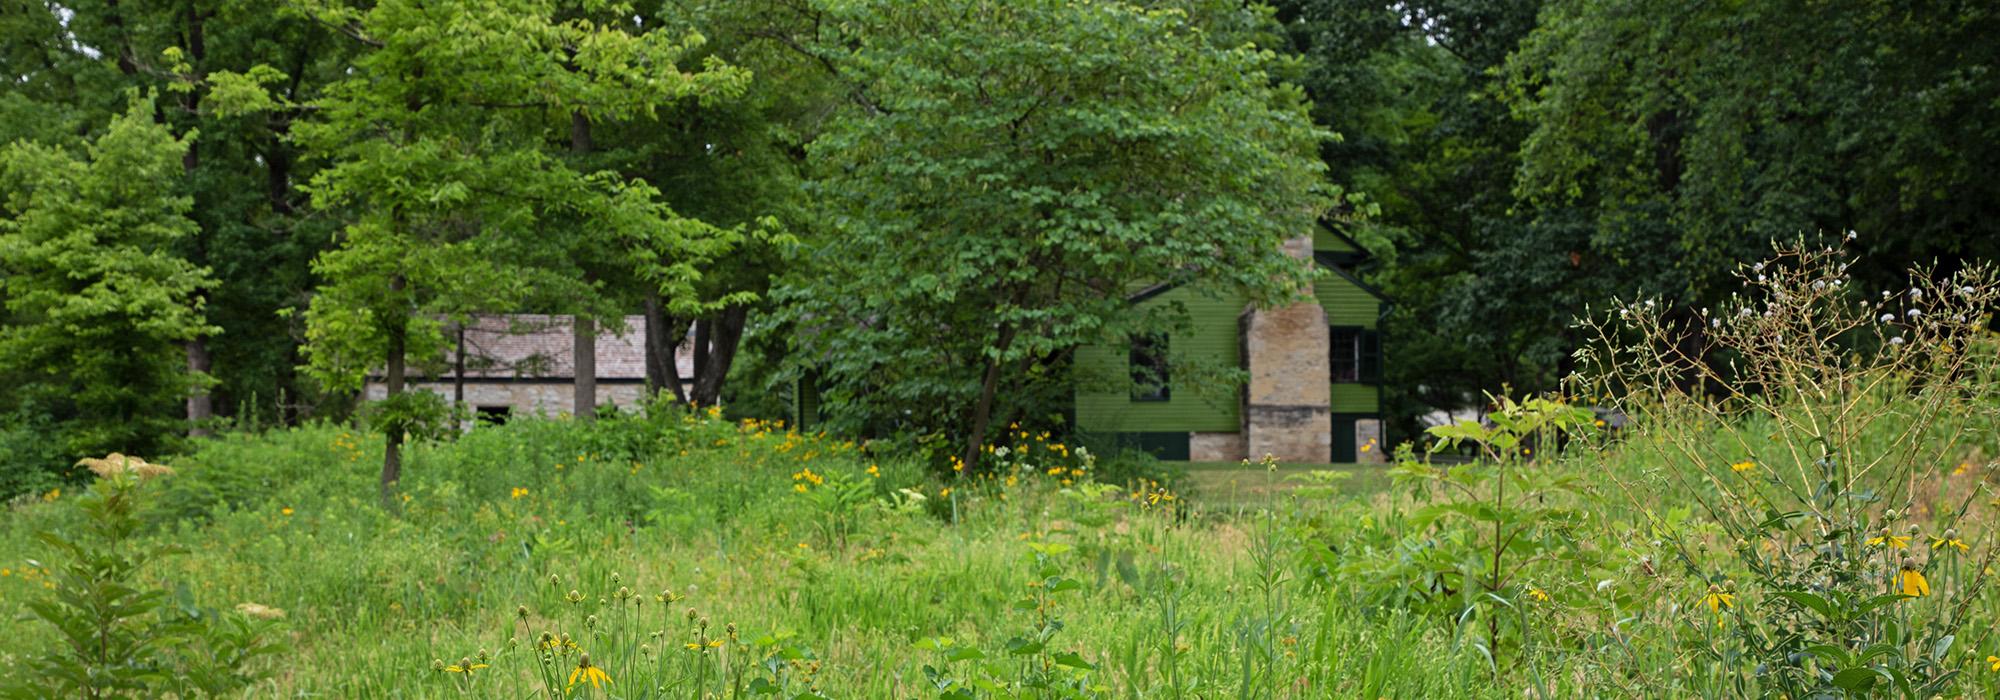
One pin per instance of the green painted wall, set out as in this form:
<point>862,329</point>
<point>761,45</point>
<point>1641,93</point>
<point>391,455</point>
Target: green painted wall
<point>1212,339</point>
<point>1346,304</point>
<point>1356,398</point>
<point>1328,240</point>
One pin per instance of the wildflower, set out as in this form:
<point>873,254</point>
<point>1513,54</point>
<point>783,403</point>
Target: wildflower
<point>1538,594</point>
<point>1893,540</point>
<point>1717,599</point>
<point>287,510</point>
<point>874,471</point>
<point>518,493</point>
<point>1743,466</point>
<point>52,495</point>
<point>1912,582</point>
<point>1950,539</point>
<point>1962,467</point>
<point>464,666</point>
<point>261,612</point>
<point>943,492</point>
<point>1995,661</point>
<point>587,672</point>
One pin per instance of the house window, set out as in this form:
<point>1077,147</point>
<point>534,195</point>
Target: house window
<point>1148,362</point>
<point>493,415</point>
<point>1354,355</point>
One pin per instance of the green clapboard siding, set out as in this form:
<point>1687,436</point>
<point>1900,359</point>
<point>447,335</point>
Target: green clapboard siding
<point>1356,398</point>
<point>1212,339</point>
<point>1345,303</point>
<point>1328,241</point>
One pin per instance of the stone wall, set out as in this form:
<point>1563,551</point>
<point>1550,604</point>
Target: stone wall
<point>1215,447</point>
<point>1287,403</point>
<point>1369,448</point>
<point>525,398</point>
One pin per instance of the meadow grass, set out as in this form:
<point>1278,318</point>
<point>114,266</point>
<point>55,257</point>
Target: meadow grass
<point>538,525</point>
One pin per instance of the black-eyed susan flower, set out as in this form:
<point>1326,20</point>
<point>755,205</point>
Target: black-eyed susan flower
<point>1717,599</point>
<point>1538,594</point>
<point>586,672</point>
<point>1911,582</point>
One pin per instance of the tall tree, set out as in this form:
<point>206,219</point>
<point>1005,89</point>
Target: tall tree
<point>449,158</point>
<point>1010,171</point>
<point>97,299</point>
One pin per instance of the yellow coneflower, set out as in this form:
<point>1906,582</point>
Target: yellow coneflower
<point>464,666</point>
<point>1717,599</point>
<point>1890,538</point>
<point>1912,582</point>
<point>1995,661</point>
<point>586,672</point>
<point>1950,539</point>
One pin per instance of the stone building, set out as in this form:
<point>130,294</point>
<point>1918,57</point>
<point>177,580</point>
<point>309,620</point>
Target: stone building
<point>521,364</point>
<point>1314,369</point>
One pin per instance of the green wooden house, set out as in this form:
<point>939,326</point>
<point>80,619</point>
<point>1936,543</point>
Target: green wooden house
<point>1315,370</point>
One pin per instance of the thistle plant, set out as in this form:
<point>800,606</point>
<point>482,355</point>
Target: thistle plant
<point>1812,424</point>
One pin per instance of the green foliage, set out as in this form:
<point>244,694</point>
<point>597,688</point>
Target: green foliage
<point>1495,524</point>
<point>979,198</point>
<point>1821,417</point>
<point>97,298</point>
<point>117,637</point>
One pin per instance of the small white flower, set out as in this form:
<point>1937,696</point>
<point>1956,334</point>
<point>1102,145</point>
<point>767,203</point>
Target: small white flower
<point>1603,585</point>
<point>1966,291</point>
<point>1916,293</point>
<point>1885,293</point>
<point>1850,235</point>
<point>1914,313</point>
<point>1717,323</point>
<point>1759,267</point>
<point>1819,285</point>
<point>1887,318</point>
<point>1898,340</point>
<point>1760,278</point>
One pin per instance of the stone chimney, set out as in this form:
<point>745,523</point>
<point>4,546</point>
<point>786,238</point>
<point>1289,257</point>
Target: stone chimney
<point>1287,410</point>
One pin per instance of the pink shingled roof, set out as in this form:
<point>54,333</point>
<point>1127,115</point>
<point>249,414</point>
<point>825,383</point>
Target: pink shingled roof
<point>537,346</point>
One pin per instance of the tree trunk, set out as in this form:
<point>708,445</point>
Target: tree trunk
<point>458,369</point>
<point>703,327</point>
<point>982,410</point>
<point>583,357</point>
<point>200,406</point>
<point>661,370</point>
<point>727,332</point>
<point>392,440</point>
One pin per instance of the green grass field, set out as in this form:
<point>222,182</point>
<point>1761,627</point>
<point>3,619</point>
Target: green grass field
<point>690,557</point>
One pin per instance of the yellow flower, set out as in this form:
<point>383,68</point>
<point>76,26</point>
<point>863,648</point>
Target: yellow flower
<point>1538,594</point>
<point>1912,582</point>
<point>1599,422</point>
<point>518,492</point>
<point>946,491</point>
<point>1894,541</point>
<point>1743,466</point>
<point>52,495</point>
<point>287,510</point>
<point>1717,599</point>
<point>801,488</point>
<point>1962,466</point>
<point>585,671</point>
<point>1995,660</point>
<point>874,471</point>
<point>464,666</point>
<point>1949,540</point>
